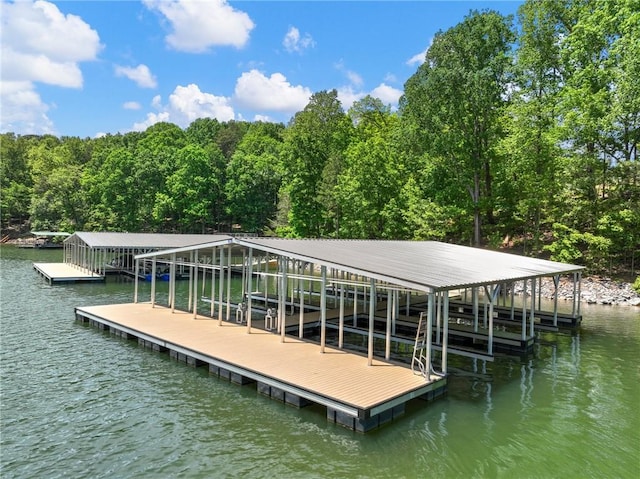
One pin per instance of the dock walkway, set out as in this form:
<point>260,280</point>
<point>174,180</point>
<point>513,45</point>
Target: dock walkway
<point>356,395</point>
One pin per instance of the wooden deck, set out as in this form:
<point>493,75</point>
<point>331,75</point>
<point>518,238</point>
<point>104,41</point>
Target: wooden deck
<point>66,273</point>
<point>337,379</point>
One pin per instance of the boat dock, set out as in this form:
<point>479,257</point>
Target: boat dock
<point>292,370</point>
<point>359,327</point>
<point>91,256</point>
<point>66,273</point>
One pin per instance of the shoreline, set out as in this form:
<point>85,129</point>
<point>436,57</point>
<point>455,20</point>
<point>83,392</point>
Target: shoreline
<point>594,290</point>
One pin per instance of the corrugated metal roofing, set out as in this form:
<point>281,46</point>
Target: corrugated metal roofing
<point>142,240</point>
<point>422,264</point>
<point>50,233</point>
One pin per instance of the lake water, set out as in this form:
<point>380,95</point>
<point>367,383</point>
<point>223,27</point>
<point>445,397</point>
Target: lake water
<point>78,402</point>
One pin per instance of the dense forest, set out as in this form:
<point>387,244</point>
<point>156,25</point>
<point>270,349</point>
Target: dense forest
<point>519,132</point>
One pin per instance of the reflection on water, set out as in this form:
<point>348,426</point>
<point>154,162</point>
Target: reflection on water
<point>78,402</point>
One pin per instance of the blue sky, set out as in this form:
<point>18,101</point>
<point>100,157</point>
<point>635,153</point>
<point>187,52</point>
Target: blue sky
<point>87,68</point>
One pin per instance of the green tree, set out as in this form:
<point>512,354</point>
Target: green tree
<point>428,219</point>
<point>203,131</point>
<point>315,142</point>
<point>372,174</point>
<point>15,179</point>
<point>600,114</point>
<point>99,215</point>
<point>155,158</point>
<point>229,135</point>
<point>114,191</point>
<point>191,191</point>
<point>254,176</point>
<point>57,198</point>
<point>587,97</point>
<point>455,102</point>
<point>531,146</point>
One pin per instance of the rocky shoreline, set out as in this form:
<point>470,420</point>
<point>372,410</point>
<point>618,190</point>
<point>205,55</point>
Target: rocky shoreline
<point>594,290</point>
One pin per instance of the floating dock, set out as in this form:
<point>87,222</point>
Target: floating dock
<point>66,273</point>
<point>343,299</point>
<point>295,371</point>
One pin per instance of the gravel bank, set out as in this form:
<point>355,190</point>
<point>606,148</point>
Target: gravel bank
<point>594,290</point>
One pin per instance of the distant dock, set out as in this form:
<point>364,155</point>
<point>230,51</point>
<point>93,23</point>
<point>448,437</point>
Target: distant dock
<point>66,273</point>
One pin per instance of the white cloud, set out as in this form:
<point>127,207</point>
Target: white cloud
<point>388,94</point>
<point>152,119</point>
<point>39,44</point>
<point>141,75</point>
<point>348,97</point>
<point>259,92</point>
<point>294,43</point>
<point>197,25</point>
<point>186,104</point>
<point>19,66</point>
<point>264,118</point>
<point>131,105</point>
<point>354,78</point>
<point>417,59</point>
<point>191,103</point>
<point>156,102</point>
<point>23,111</point>
<point>391,78</point>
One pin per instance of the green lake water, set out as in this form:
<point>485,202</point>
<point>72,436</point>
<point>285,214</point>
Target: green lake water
<point>79,403</point>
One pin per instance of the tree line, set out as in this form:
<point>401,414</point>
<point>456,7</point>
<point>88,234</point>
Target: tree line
<point>520,131</point>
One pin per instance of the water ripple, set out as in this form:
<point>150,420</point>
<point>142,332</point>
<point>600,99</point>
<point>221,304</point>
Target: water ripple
<point>78,402</point>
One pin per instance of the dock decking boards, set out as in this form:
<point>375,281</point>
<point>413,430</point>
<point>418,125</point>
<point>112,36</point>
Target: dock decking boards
<point>356,395</point>
<point>66,273</point>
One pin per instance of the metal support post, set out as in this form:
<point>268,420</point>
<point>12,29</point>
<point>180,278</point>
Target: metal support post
<point>249,289</point>
<point>372,307</point>
<point>195,284</point>
<point>341,320</point>
<point>323,308</point>
<point>153,281</point>
<point>445,332</point>
<point>135,286</point>
<point>229,259</point>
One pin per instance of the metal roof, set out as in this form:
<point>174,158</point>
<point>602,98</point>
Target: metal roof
<point>142,240</point>
<point>50,233</point>
<point>221,241</point>
<point>422,265</point>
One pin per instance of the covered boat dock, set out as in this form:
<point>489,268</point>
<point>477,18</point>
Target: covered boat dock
<point>91,256</point>
<point>400,304</point>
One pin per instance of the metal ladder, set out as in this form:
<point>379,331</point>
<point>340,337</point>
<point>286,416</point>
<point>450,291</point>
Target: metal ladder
<point>419,360</point>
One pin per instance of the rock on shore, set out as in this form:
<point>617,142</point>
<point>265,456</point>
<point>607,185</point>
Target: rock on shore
<point>594,290</point>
